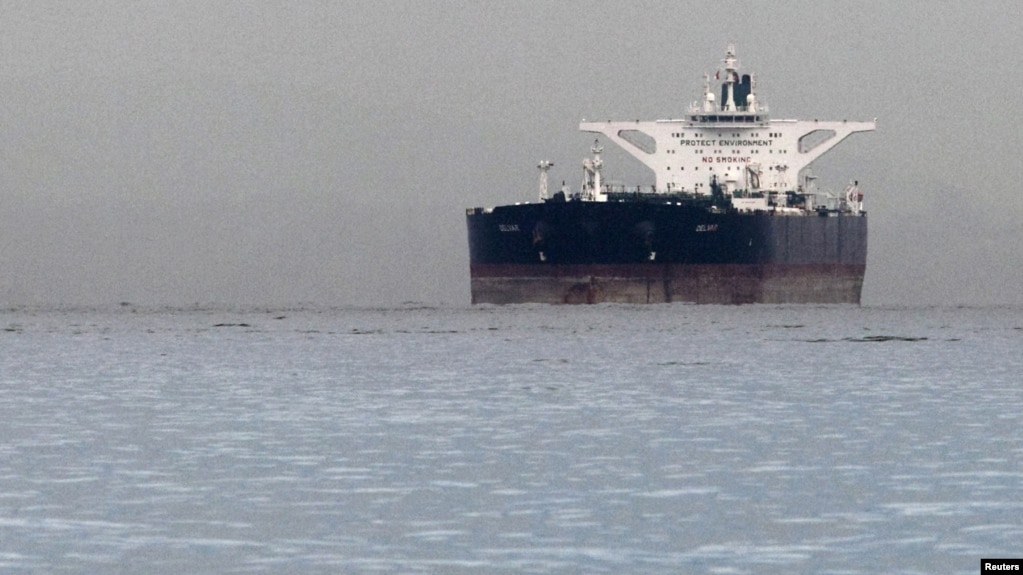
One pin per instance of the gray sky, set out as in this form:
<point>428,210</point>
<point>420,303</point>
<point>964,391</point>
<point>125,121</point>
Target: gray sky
<point>172,153</point>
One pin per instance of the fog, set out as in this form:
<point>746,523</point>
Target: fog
<point>324,153</point>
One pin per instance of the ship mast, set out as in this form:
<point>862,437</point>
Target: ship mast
<point>545,166</point>
<point>591,174</point>
<point>731,77</point>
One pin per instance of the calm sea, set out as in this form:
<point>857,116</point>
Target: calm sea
<point>520,439</point>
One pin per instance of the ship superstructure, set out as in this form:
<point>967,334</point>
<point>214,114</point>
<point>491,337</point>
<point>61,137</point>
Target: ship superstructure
<point>731,139</point>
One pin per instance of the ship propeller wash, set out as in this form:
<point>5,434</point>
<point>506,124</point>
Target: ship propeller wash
<point>734,216</point>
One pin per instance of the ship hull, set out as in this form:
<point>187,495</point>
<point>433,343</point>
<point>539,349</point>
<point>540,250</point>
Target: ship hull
<point>639,252</point>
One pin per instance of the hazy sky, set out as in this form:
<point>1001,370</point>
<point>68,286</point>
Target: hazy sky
<point>172,153</point>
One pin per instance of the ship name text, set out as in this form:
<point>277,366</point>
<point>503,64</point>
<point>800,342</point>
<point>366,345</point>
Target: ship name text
<point>508,227</point>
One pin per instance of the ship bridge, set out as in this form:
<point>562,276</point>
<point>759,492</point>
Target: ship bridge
<point>731,140</point>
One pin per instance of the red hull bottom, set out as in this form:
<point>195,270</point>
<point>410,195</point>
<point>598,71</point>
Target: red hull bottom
<point>665,283</point>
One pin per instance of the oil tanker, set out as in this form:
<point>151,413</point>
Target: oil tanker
<point>734,217</point>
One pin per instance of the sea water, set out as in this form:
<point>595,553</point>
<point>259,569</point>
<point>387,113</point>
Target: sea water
<point>518,439</point>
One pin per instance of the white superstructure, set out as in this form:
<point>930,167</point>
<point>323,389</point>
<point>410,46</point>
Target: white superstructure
<point>731,141</point>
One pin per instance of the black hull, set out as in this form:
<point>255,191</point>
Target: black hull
<point>645,252</point>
